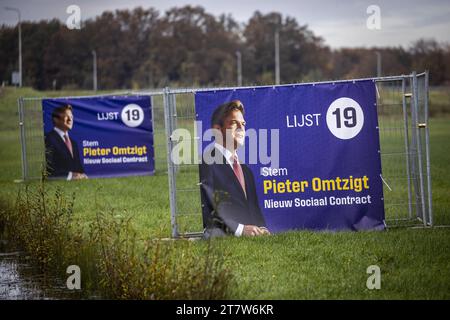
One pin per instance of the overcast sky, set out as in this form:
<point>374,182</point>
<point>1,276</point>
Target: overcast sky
<point>340,23</point>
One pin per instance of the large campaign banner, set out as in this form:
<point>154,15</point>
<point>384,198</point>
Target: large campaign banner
<point>328,172</point>
<point>107,136</point>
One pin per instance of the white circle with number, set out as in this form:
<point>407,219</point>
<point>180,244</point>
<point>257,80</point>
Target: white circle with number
<point>345,118</point>
<point>132,115</point>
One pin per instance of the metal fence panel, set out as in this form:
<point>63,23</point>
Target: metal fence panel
<point>423,142</point>
<point>186,180</point>
<point>32,137</point>
<point>159,134</point>
<point>31,128</point>
<point>402,103</point>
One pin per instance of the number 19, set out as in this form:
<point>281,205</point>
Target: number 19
<point>349,115</point>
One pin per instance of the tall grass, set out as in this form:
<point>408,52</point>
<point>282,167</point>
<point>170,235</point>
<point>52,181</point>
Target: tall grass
<point>115,263</point>
<point>156,269</point>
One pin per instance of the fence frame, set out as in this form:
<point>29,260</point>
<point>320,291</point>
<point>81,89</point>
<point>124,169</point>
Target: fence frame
<point>170,123</point>
<point>426,213</point>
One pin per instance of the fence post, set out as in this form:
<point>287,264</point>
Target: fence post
<point>413,150</point>
<point>23,139</point>
<point>427,150</point>
<point>419,145</point>
<point>168,115</point>
<point>173,122</point>
<point>152,115</point>
<point>407,150</point>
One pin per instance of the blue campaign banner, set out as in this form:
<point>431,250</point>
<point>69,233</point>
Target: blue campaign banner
<point>328,174</point>
<point>108,136</point>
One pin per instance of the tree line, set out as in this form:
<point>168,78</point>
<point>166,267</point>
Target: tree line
<point>187,46</point>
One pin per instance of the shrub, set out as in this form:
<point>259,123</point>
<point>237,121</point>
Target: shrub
<point>114,262</point>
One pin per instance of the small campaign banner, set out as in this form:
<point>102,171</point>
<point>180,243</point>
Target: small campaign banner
<point>102,136</point>
<point>311,152</point>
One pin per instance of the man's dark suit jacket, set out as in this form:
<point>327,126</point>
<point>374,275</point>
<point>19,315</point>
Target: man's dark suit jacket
<point>58,157</point>
<point>221,190</point>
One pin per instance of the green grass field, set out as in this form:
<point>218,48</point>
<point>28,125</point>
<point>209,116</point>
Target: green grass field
<point>414,263</point>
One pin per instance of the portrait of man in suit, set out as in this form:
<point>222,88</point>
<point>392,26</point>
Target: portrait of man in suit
<point>228,193</point>
<point>61,151</point>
